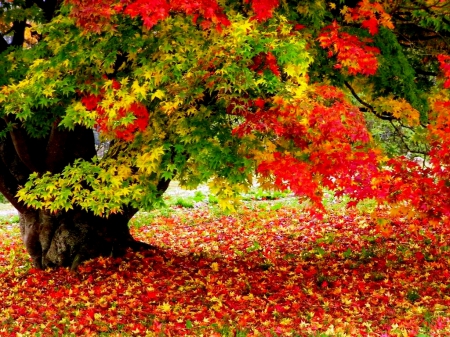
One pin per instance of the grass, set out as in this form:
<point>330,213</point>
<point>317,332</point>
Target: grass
<point>257,199</point>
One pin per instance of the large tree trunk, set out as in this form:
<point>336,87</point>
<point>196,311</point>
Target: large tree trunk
<point>64,238</point>
<point>69,238</point>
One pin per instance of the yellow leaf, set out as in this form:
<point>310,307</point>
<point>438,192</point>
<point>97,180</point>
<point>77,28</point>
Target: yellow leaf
<point>138,89</point>
<point>124,81</point>
<point>165,307</point>
<point>285,321</point>
<point>158,94</point>
<point>50,188</point>
<point>215,266</point>
<point>399,108</point>
<point>48,91</point>
<point>124,171</point>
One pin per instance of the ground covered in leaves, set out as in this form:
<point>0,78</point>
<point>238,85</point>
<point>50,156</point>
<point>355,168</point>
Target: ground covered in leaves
<point>268,271</point>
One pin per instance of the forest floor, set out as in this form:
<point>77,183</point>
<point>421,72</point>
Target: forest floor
<point>267,270</point>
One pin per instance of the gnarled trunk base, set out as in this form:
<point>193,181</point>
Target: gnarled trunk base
<point>69,238</point>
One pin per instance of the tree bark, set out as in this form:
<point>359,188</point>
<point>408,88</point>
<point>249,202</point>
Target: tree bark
<point>68,238</point>
<point>64,239</point>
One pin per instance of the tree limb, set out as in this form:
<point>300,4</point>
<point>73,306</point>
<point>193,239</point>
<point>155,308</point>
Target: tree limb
<point>65,146</point>
<point>19,140</point>
<point>9,188</point>
<point>386,117</point>
<point>3,44</point>
<point>56,149</point>
<point>81,144</point>
<point>12,173</point>
<point>12,161</point>
<point>402,139</point>
<point>428,11</point>
<point>426,73</point>
<point>48,7</point>
<point>19,33</point>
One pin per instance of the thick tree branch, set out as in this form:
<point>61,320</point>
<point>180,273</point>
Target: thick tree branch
<point>386,117</point>
<point>56,149</point>
<point>429,12</point>
<point>402,139</point>
<point>19,33</point>
<point>445,20</point>
<point>3,44</point>
<point>48,7</point>
<point>418,38</point>
<point>65,146</point>
<point>12,161</point>
<point>162,186</point>
<point>8,31</point>
<point>81,144</point>
<point>9,188</point>
<point>426,73</point>
<point>19,139</point>
<point>12,173</point>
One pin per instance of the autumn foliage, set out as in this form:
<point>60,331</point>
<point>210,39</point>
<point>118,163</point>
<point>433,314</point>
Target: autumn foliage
<point>257,273</point>
<point>105,122</point>
<point>312,97</point>
<point>269,84</point>
<point>357,56</point>
<point>337,102</point>
<point>151,13</point>
<point>444,63</point>
<point>370,15</point>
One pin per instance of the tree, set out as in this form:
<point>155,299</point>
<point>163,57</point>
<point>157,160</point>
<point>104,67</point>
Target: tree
<point>218,92</point>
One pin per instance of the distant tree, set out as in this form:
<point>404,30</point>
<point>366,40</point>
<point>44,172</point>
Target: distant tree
<point>205,91</point>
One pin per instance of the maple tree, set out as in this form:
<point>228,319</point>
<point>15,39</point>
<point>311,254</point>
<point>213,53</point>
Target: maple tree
<point>220,92</point>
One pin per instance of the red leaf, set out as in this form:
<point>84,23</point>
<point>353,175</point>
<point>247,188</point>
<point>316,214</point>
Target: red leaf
<point>371,24</point>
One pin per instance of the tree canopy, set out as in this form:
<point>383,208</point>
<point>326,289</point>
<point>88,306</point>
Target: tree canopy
<point>304,96</point>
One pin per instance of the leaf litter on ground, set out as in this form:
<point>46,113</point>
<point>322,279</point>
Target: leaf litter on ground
<point>255,273</point>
